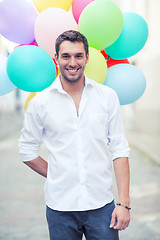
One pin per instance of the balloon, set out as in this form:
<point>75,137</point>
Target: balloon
<point>6,85</point>
<point>96,68</point>
<point>30,96</point>
<point>104,53</point>
<point>33,43</point>
<point>51,23</point>
<point>78,6</point>
<point>132,38</point>
<point>41,5</point>
<point>57,71</point>
<point>111,62</point>
<point>101,22</point>
<point>17,20</point>
<point>128,81</point>
<point>30,68</point>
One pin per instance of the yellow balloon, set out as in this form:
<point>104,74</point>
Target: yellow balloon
<point>44,4</point>
<point>96,68</point>
<point>58,72</point>
<point>30,96</point>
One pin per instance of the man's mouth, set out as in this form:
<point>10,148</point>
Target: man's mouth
<point>72,70</point>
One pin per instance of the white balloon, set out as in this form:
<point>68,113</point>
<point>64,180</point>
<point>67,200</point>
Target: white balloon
<point>50,24</point>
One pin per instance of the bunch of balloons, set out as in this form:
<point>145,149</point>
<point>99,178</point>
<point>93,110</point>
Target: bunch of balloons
<point>113,37</point>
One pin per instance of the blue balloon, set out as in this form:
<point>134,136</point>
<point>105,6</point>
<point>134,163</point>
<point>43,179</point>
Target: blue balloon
<point>132,38</point>
<point>6,85</point>
<point>128,81</point>
<point>31,68</point>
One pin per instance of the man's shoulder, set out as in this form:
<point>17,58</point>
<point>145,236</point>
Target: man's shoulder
<point>104,89</point>
<point>42,97</point>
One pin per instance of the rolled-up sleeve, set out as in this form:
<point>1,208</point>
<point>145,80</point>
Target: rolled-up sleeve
<point>118,143</point>
<point>31,134</point>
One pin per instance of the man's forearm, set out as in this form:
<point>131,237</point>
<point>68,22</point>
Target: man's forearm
<point>39,165</point>
<point>121,216</point>
<point>122,173</point>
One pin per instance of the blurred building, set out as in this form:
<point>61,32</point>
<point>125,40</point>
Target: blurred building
<point>144,114</point>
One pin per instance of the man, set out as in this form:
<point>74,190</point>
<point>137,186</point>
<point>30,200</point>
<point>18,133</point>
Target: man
<point>78,119</point>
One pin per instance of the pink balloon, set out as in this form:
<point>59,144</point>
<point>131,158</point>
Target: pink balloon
<point>78,6</point>
<point>49,25</point>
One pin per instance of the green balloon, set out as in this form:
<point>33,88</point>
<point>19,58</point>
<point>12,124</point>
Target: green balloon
<point>30,68</point>
<point>101,22</point>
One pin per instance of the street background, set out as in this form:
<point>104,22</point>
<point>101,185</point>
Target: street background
<point>22,206</point>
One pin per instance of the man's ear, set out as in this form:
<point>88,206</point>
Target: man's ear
<point>56,58</point>
<point>87,58</point>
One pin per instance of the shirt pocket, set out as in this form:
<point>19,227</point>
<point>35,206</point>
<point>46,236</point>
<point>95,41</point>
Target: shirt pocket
<point>98,125</point>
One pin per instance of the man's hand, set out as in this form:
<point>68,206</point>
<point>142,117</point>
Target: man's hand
<point>120,218</point>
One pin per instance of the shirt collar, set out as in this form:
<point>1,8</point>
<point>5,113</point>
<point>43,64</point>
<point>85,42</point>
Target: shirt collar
<point>89,81</point>
<point>56,85</point>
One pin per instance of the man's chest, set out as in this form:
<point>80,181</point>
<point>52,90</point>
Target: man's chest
<point>60,117</point>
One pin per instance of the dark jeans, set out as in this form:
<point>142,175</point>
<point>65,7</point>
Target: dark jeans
<point>70,225</point>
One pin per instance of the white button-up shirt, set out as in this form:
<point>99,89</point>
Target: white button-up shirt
<point>79,173</point>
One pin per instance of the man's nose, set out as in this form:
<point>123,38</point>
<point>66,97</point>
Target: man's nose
<point>72,62</point>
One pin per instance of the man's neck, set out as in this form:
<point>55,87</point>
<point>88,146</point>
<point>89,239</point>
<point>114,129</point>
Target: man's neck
<point>73,88</point>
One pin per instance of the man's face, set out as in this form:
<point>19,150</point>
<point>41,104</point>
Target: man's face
<point>72,60</point>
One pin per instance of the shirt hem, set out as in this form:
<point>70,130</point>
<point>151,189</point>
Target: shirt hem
<point>80,209</point>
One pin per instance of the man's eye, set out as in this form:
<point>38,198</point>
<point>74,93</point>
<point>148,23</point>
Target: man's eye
<point>79,56</point>
<point>65,57</point>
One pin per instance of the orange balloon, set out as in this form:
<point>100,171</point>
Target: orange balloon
<point>58,72</point>
<point>30,96</point>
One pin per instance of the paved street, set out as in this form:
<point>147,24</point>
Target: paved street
<point>22,207</point>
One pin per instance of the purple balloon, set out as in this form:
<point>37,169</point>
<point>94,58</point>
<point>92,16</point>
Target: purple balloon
<point>17,18</point>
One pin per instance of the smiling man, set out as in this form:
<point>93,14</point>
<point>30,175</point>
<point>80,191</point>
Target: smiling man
<point>80,123</point>
<point>72,62</point>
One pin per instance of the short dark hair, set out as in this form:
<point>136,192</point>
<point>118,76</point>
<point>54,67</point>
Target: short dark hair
<point>72,36</point>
